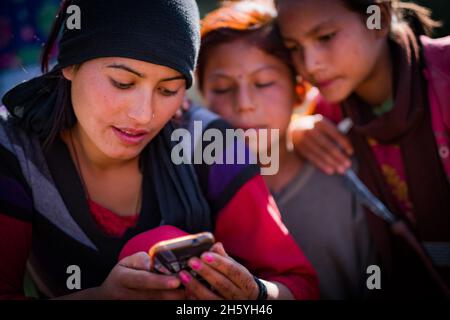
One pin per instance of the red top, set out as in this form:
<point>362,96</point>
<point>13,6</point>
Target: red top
<point>111,223</point>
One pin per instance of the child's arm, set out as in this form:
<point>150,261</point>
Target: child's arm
<point>315,138</point>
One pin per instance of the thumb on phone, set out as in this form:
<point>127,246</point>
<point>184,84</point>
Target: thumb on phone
<point>137,261</point>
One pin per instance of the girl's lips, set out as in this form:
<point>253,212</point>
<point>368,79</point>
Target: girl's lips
<point>325,84</point>
<point>130,136</point>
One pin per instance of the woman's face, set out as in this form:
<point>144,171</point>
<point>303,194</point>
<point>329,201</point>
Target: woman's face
<point>121,103</point>
<point>331,45</point>
<point>248,87</point>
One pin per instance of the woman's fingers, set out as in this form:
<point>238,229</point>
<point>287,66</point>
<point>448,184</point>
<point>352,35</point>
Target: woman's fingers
<point>134,273</point>
<point>219,249</point>
<point>145,280</point>
<point>218,280</point>
<point>196,290</point>
<point>237,274</point>
<point>138,261</point>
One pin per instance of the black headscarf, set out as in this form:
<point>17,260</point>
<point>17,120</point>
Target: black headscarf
<point>163,32</point>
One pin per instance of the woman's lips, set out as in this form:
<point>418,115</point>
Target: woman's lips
<point>130,136</point>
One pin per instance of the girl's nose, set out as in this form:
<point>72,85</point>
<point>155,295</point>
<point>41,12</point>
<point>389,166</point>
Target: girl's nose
<point>244,101</point>
<point>312,61</point>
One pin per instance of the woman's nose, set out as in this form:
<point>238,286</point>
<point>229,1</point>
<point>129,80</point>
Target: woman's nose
<point>143,110</point>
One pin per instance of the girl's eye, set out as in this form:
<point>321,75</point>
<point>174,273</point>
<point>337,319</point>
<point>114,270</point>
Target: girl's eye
<point>167,92</point>
<point>264,85</point>
<point>122,86</point>
<point>221,90</point>
<point>292,47</point>
<point>327,37</point>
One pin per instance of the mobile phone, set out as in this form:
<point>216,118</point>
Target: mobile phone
<point>171,256</point>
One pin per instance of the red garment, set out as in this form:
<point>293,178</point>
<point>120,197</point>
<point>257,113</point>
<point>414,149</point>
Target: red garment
<point>15,244</point>
<point>111,223</point>
<point>249,227</point>
<point>261,242</point>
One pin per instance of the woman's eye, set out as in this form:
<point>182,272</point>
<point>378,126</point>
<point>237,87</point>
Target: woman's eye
<point>120,85</point>
<point>167,92</point>
<point>327,37</point>
<point>264,84</point>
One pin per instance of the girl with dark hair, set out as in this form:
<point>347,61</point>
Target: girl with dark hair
<point>85,165</point>
<point>373,63</point>
<point>246,76</point>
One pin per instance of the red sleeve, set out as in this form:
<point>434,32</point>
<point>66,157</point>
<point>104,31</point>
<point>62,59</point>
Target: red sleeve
<point>15,244</point>
<point>250,228</point>
<point>329,110</point>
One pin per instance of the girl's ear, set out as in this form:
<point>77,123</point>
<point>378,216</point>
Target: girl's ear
<point>69,72</point>
<point>386,19</point>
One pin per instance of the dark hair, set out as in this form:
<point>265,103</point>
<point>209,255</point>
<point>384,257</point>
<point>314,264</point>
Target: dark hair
<point>249,20</point>
<point>62,115</point>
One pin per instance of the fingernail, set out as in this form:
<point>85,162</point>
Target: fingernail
<point>195,264</point>
<point>185,277</point>
<point>208,257</point>
<point>173,283</point>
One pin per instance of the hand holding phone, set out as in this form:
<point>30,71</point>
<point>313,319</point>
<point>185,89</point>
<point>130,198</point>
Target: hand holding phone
<point>171,256</point>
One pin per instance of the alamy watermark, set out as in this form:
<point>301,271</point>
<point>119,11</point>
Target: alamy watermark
<point>251,146</point>
<point>374,20</point>
<point>74,17</point>
<point>373,281</point>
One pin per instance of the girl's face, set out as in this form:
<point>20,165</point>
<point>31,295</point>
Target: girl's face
<point>248,87</point>
<point>114,100</point>
<point>331,45</point>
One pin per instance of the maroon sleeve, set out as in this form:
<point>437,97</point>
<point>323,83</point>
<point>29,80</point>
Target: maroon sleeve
<point>15,244</point>
<point>250,228</point>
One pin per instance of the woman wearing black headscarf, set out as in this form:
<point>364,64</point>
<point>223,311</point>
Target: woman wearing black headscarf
<point>85,165</point>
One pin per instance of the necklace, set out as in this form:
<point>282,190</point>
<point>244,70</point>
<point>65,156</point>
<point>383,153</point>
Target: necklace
<point>83,182</point>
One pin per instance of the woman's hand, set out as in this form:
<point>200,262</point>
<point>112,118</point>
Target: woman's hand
<point>131,279</point>
<point>319,141</point>
<point>229,279</point>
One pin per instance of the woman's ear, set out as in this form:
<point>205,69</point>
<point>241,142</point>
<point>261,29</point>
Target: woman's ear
<point>69,72</point>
